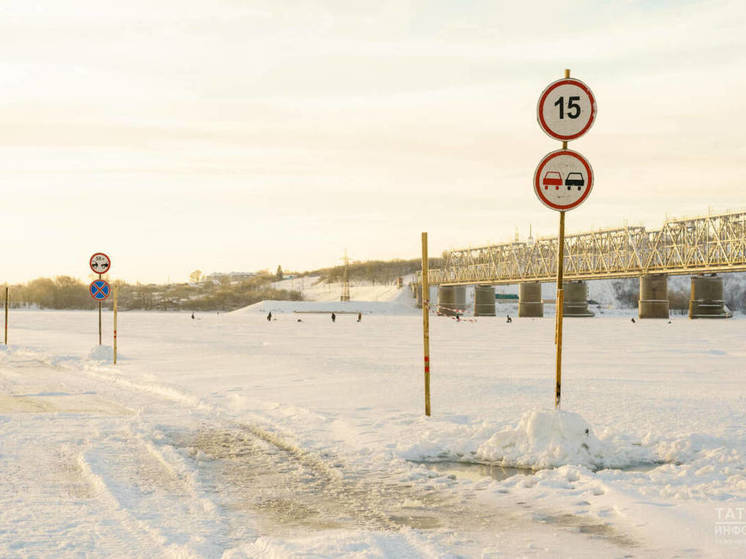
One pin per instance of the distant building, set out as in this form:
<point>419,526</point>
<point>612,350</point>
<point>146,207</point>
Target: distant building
<point>217,277</point>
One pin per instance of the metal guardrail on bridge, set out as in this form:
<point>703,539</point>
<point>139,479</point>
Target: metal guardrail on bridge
<point>707,244</point>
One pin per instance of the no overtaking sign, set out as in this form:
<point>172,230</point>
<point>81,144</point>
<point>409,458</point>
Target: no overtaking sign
<point>563,180</point>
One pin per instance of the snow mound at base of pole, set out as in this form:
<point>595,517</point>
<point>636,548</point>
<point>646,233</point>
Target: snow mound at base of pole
<point>103,353</point>
<point>546,439</point>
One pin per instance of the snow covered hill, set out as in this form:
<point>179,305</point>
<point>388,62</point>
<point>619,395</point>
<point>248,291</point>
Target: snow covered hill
<point>322,297</point>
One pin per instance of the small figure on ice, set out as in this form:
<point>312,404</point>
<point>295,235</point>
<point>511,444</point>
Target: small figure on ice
<point>359,316</point>
<point>633,320</point>
<point>334,317</point>
<point>269,316</point>
<point>192,316</point>
<point>508,319</point>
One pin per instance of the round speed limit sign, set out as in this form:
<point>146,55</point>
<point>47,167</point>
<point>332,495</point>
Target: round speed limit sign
<point>566,109</point>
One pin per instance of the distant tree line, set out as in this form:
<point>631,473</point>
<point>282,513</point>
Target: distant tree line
<point>64,292</point>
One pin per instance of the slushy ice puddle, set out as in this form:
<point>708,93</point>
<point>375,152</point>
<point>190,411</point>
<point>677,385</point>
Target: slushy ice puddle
<point>279,489</point>
<point>266,486</point>
<point>478,471</point>
<point>474,471</point>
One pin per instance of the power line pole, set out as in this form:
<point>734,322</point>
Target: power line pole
<point>346,280</point>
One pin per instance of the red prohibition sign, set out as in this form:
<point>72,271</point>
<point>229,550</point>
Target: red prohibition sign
<point>553,126</point>
<point>100,263</point>
<point>563,180</point>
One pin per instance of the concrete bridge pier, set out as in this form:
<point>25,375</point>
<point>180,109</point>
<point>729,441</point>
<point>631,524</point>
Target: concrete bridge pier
<point>576,299</point>
<point>529,300</point>
<point>484,300</point>
<point>451,300</point>
<point>653,302</point>
<point>706,299</point>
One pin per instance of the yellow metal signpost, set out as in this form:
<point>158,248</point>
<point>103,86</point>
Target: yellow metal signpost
<point>564,178</point>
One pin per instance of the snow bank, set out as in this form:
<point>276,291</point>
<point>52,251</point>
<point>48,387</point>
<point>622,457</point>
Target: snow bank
<point>321,297</point>
<point>545,439</point>
<point>101,353</point>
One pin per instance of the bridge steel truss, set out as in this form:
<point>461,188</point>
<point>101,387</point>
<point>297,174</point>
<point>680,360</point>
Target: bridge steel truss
<point>708,244</point>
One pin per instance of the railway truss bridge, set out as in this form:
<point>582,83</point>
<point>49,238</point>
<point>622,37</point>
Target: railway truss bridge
<point>701,247</point>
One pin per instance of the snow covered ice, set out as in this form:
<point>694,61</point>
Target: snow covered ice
<point>231,436</point>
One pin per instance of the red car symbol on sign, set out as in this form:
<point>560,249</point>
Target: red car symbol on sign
<point>552,178</point>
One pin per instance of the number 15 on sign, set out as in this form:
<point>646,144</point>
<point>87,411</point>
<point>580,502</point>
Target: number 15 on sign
<point>566,109</point>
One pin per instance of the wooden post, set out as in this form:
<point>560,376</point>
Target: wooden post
<point>426,320</point>
<point>560,303</point>
<point>7,298</point>
<point>116,293</point>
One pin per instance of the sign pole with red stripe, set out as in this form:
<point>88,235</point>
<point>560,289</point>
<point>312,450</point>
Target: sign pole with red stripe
<point>426,320</point>
<point>7,300</point>
<point>116,294</point>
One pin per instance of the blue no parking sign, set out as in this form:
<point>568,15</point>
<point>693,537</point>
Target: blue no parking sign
<point>99,290</point>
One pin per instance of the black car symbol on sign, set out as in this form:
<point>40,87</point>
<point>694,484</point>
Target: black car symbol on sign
<point>574,179</point>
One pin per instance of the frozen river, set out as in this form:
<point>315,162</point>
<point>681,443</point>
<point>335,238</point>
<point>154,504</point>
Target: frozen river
<point>230,436</point>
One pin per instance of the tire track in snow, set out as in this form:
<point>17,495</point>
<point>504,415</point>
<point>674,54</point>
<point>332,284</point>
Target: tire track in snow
<point>90,467</point>
<point>325,494</point>
<point>342,498</point>
<point>151,497</point>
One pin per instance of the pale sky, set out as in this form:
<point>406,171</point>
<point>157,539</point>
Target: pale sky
<point>236,135</point>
